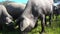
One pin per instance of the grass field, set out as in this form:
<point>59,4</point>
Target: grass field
<point>54,29</point>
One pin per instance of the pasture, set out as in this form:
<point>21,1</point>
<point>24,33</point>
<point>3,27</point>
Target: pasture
<point>53,29</point>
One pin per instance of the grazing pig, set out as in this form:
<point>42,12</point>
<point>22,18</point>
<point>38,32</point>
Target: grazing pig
<point>5,18</point>
<point>33,10</point>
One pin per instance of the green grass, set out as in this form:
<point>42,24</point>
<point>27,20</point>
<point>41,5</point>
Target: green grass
<point>54,29</point>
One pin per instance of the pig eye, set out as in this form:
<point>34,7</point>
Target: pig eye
<point>21,19</point>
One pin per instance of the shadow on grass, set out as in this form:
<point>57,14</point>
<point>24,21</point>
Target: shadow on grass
<point>5,31</point>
